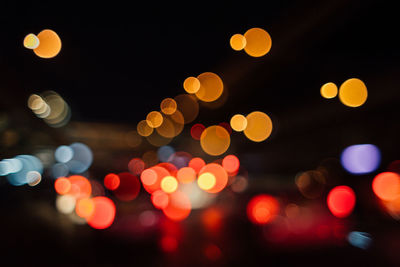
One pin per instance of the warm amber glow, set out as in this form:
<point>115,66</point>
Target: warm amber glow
<point>144,129</point>
<point>238,122</point>
<point>353,93</point>
<point>220,174</point>
<point>329,90</point>
<point>206,181</point>
<point>168,106</point>
<point>31,41</point>
<point>188,106</point>
<point>50,44</point>
<point>215,140</point>
<point>154,119</point>
<point>191,85</point>
<point>211,87</point>
<point>169,184</point>
<point>84,207</point>
<point>186,175</point>
<point>172,125</point>
<point>237,42</point>
<point>258,42</point>
<point>259,126</point>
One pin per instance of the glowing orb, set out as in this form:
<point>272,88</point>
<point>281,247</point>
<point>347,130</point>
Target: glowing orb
<point>211,87</point>
<point>191,85</point>
<point>84,207</point>
<point>329,90</point>
<point>197,164</point>
<point>361,159</point>
<point>341,201</point>
<point>196,131</point>
<point>237,42</point>
<point>31,41</point>
<point>154,119</point>
<point>63,154</point>
<point>168,106</point>
<point>215,140</point>
<point>159,199</point>
<point>386,186</point>
<point>238,123</point>
<point>259,126</point>
<point>103,214</point>
<point>258,42</point>
<point>188,106</point>
<point>169,184</point>
<point>353,93</point>
<point>206,181</point>
<point>128,188</point>
<point>186,175</point>
<point>62,185</point>
<point>144,129</point>
<point>80,187</point>
<point>262,209</point>
<point>179,206</point>
<point>231,163</point>
<point>111,181</point>
<point>49,46</point>
<point>220,174</point>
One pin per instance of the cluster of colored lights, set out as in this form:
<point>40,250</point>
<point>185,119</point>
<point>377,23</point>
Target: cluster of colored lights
<point>352,93</point>
<point>47,44</point>
<point>75,198</point>
<point>181,183</point>
<point>256,42</point>
<point>51,107</point>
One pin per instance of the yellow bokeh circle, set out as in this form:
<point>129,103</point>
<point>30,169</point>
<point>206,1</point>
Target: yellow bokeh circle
<point>206,181</point>
<point>144,129</point>
<point>237,42</point>
<point>238,122</point>
<point>329,90</point>
<point>31,41</point>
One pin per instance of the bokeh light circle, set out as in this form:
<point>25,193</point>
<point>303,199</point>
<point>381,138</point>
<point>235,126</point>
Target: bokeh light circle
<point>341,201</point>
<point>238,122</point>
<point>144,129</point>
<point>329,90</point>
<point>386,186</point>
<point>258,42</point>
<point>128,188</point>
<point>206,181</point>
<point>221,176</point>
<point>111,181</point>
<point>361,159</point>
<point>63,154</point>
<point>196,131</point>
<point>215,140</point>
<point>154,119</point>
<point>103,213</point>
<point>186,175</point>
<point>237,42</point>
<point>169,184</point>
<point>191,85</point>
<point>211,87</point>
<point>168,106</point>
<point>353,92</point>
<point>31,41</point>
<point>262,209</point>
<point>179,206</point>
<point>259,126</point>
<point>49,44</point>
